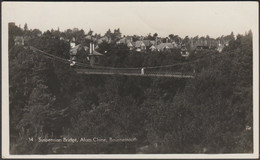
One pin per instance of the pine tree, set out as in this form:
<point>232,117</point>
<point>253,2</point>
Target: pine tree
<point>25,27</point>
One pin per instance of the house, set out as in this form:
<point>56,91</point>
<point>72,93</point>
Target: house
<point>62,38</point>
<point>153,48</point>
<point>220,47</point>
<point>121,41</point>
<point>130,45</point>
<point>184,51</point>
<point>175,45</point>
<point>140,46</point>
<point>124,40</point>
<point>164,46</point>
<point>93,56</point>
<point>19,41</point>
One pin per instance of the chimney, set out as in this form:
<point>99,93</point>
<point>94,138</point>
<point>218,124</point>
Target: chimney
<point>90,48</point>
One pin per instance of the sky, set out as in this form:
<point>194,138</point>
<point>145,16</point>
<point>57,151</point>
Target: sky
<point>139,18</point>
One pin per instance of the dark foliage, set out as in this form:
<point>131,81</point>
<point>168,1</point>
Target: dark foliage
<point>206,114</point>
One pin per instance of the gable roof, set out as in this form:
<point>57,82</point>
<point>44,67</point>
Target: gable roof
<point>164,45</point>
<point>130,44</point>
<point>152,47</point>
<point>139,44</point>
<point>122,40</point>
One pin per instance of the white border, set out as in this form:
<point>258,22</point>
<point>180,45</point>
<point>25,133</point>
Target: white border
<point>5,110</point>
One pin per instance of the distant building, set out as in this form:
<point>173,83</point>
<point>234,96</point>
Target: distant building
<point>121,41</point>
<point>124,40</point>
<point>152,48</point>
<point>94,55</point>
<point>220,47</point>
<point>140,46</point>
<point>184,51</point>
<point>175,45</point>
<point>72,43</point>
<point>164,46</point>
<point>62,38</point>
<point>130,45</point>
<point>19,41</point>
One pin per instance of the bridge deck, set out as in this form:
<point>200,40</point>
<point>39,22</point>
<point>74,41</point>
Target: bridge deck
<point>133,73</point>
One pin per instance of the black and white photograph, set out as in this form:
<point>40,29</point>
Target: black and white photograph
<point>130,80</point>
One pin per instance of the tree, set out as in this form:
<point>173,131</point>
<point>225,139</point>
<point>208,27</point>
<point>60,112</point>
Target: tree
<point>155,35</point>
<point>177,39</point>
<point>12,32</point>
<point>108,33</point>
<point>90,32</point>
<point>36,32</point>
<point>25,28</point>
<point>150,37</point>
<point>74,30</point>
<point>250,33</point>
<point>186,40</point>
<point>171,36</point>
<point>232,35</point>
<point>117,33</point>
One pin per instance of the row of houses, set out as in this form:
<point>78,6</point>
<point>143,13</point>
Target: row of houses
<point>139,45</point>
<point>142,45</point>
<point>210,43</point>
<point>145,45</point>
<point>21,40</point>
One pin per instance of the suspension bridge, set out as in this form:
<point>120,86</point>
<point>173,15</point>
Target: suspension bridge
<point>140,72</point>
<point>156,71</point>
